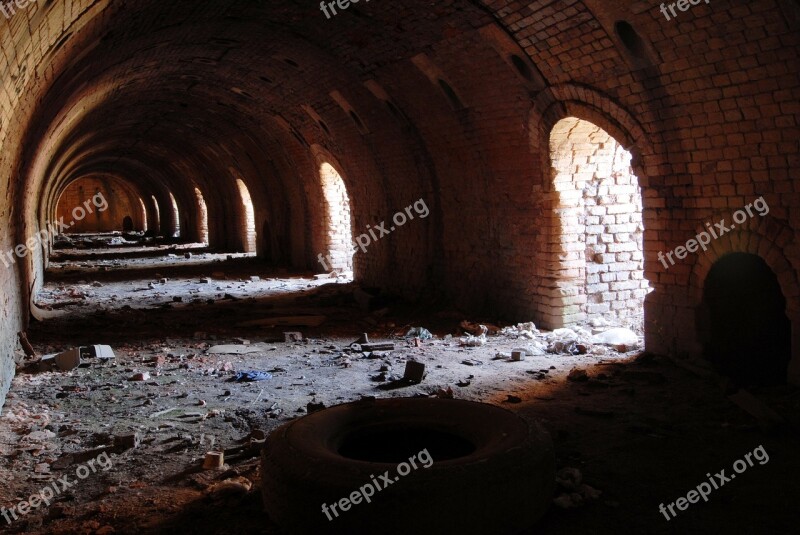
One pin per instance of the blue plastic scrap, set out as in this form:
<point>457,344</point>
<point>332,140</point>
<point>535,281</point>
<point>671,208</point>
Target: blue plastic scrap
<point>250,376</point>
<point>419,332</point>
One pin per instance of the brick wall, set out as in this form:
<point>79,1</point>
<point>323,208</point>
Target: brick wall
<point>337,220</point>
<point>202,219</point>
<point>600,211</point>
<point>122,203</point>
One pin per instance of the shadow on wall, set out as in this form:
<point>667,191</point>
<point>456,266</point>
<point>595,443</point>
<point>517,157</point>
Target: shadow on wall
<point>743,324</point>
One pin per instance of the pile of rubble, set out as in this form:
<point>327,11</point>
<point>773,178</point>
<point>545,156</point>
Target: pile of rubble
<point>595,340</point>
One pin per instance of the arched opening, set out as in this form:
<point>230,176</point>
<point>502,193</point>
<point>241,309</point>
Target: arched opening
<point>177,216</point>
<point>598,204</point>
<point>156,216</point>
<point>99,204</point>
<point>127,224</point>
<point>145,216</point>
<point>202,217</point>
<point>744,329</point>
<point>339,235</point>
<point>249,221</point>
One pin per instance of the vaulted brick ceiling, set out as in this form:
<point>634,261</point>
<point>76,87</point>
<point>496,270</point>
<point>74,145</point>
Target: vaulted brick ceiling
<point>158,91</point>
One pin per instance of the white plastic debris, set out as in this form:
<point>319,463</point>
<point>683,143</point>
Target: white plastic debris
<point>617,337</point>
<point>521,330</point>
<point>563,335</point>
<point>535,348</point>
<point>473,341</point>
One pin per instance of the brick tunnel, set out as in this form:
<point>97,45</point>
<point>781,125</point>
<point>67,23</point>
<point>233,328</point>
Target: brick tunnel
<point>583,165</point>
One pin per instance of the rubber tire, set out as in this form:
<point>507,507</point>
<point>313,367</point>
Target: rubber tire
<point>503,487</point>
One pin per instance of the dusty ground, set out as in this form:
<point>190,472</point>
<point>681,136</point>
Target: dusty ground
<point>642,430</point>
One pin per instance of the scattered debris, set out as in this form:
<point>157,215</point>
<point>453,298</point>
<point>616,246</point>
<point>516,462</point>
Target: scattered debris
<point>620,338</point>
<point>250,376</point>
<point>234,349</point>
<point>562,334</point>
<point>564,347</point>
<point>236,486</point>
<point>569,478</point>
<point>521,330</point>
<point>574,493</point>
<point>415,372</point>
<point>101,352</point>
<point>66,361</point>
<point>386,346</point>
<point>477,329</point>
<point>69,360</point>
<point>214,460</point>
<point>162,413</point>
<point>444,393</point>
<point>473,341</point>
<point>127,442</point>
<point>314,407</point>
<point>419,332</point>
<point>292,336</point>
<point>472,328</point>
<point>363,339</point>
<point>536,349</point>
<point>142,376</point>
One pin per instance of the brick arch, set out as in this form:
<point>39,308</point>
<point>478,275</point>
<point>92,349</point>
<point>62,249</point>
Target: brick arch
<point>764,237</point>
<point>122,198</point>
<point>332,242</point>
<point>571,100</point>
<point>769,239</point>
<point>561,304</point>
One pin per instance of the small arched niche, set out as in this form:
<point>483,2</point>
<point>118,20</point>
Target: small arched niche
<point>744,329</point>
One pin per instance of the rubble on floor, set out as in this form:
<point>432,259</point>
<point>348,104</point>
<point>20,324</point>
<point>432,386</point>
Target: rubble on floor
<point>188,404</point>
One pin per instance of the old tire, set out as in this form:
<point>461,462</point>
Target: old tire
<point>492,472</point>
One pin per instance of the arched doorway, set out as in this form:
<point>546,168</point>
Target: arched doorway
<point>202,217</point>
<point>743,327</point>
<point>176,216</point>
<point>339,236</point>
<point>249,220</point>
<point>598,207</point>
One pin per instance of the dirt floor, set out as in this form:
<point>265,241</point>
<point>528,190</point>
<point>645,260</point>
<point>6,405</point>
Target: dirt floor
<point>641,429</point>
